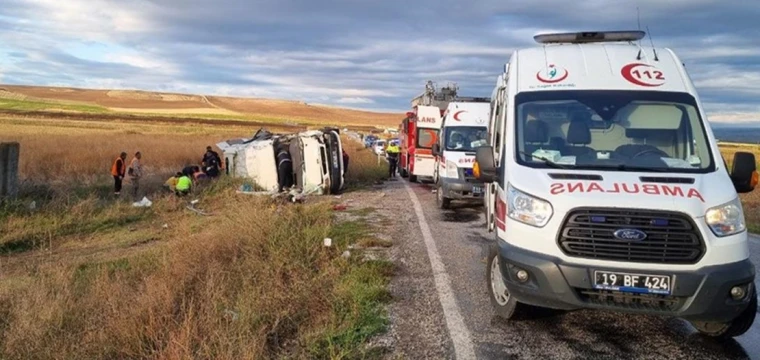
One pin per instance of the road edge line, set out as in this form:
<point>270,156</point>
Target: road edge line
<point>458,332</point>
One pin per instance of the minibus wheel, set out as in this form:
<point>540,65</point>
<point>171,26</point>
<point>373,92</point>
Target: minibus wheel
<point>736,327</point>
<point>505,306</point>
<point>442,201</point>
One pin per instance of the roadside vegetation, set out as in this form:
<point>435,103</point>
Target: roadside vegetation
<point>86,276</point>
<point>750,201</point>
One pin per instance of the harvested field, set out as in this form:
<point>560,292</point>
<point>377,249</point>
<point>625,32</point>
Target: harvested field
<point>146,103</point>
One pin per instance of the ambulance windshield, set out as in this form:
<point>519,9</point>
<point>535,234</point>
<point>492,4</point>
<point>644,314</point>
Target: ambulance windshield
<point>465,138</point>
<point>612,130</point>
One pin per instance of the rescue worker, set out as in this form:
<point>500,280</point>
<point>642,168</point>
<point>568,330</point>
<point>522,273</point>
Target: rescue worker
<point>135,173</point>
<point>118,169</point>
<point>171,183</point>
<point>392,150</point>
<point>184,185</point>
<point>284,168</point>
<point>211,162</point>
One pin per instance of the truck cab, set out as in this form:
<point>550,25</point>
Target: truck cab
<point>609,191</point>
<point>464,128</point>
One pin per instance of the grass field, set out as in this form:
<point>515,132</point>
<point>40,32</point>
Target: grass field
<point>84,276</point>
<point>51,100</point>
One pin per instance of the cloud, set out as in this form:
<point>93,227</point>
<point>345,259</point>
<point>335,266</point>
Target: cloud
<point>355,100</point>
<point>373,55</point>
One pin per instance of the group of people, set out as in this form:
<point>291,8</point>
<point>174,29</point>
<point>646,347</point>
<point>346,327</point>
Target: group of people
<point>183,182</point>
<point>180,183</point>
<point>134,171</point>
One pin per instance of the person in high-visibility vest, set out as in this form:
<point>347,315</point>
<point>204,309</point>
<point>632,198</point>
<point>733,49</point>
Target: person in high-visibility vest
<point>118,170</point>
<point>392,150</point>
<point>184,184</point>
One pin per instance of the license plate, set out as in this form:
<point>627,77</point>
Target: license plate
<point>477,190</point>
<point>633,283</point>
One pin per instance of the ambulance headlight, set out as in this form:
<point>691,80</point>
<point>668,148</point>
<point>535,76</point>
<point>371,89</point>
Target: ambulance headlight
<point>528,209</point>
<point>451,169</point>
<point>726,219</point>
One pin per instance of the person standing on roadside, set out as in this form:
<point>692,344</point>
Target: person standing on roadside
<point>135,173</point>
<point>392,150</point>
<point>118,169</point>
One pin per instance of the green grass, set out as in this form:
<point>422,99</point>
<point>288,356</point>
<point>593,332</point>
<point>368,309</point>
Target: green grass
<point>29,105</point>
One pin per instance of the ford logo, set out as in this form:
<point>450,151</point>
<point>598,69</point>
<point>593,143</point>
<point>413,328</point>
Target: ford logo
<point>630,234</point>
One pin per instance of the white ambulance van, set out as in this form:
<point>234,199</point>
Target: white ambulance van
<point>609,190</point>
<point>464,128</point>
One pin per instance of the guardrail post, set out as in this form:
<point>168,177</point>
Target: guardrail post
<point>9,154</point>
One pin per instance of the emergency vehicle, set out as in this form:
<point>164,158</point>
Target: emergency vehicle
<point>464,128</point>
<point>420,130</point>
<point>609,190</point>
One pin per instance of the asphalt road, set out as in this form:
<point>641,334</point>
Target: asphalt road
<point>460,238</point>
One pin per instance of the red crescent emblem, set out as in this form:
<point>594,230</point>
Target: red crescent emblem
<point>456,115</point>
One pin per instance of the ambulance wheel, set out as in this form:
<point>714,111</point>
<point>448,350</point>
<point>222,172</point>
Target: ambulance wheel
<point>442,201</point>
<point>736,327</point>
<point>505,306</point>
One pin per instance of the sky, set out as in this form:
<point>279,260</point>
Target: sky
<point>373,55</point>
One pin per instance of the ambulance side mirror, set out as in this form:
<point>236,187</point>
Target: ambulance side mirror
<point>484,168</point>
<point>744,172</point>
<point>436,149</point>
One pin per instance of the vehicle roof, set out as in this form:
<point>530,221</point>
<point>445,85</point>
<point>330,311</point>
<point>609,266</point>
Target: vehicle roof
<point>598,66</point>
<point>467,114</point>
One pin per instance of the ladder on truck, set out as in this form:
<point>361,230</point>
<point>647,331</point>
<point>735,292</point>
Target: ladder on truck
<point>431,97</point>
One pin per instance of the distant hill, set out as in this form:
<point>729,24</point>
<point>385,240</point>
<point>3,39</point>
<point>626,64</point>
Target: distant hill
<point>41,98</point>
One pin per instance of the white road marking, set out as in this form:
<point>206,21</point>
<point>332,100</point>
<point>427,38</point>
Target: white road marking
<point>460,335</point>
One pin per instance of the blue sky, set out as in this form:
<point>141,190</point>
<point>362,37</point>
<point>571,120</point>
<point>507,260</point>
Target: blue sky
<point>371,55</point>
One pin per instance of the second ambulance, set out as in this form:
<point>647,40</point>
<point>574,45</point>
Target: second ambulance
<point>608,190</point>
<point>464,129</point>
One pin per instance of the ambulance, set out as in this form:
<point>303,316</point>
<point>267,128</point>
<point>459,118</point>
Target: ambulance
<point>421,164</point>
<point>463,129</point>
<point>608,190</point>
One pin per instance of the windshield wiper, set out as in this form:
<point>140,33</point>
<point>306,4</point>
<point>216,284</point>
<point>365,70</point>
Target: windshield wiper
<point>548,162</point>
<point>624,167</point>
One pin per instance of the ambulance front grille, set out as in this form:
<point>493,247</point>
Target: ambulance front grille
<point>671,237</point>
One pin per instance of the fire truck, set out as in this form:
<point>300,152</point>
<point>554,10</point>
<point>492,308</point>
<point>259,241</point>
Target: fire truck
<point>419,131</point>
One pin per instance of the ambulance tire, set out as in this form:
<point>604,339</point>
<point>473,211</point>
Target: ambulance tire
<point>505,306</point>
<point>440,200</point>
<point>736,327</point>
<point>334,152</point>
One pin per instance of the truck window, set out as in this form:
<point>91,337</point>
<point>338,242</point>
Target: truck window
<point>612,130</point>
<point>464,138</point>
<point>426,138</point>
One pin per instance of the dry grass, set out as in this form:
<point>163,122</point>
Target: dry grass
<point>87,277</point>
<point>39,97</point>
<point>750,201</point>
<point>252,283</point>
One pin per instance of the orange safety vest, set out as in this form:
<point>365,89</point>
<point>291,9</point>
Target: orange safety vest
<point>114,171</point>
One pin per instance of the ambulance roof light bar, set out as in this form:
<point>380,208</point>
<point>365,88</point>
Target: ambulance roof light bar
<point>589,37</point>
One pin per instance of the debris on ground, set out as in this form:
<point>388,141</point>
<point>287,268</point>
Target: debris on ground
<point>340,207</point>
<point>328,242</point>
<point>143,203</point>
<point>346,254</point>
